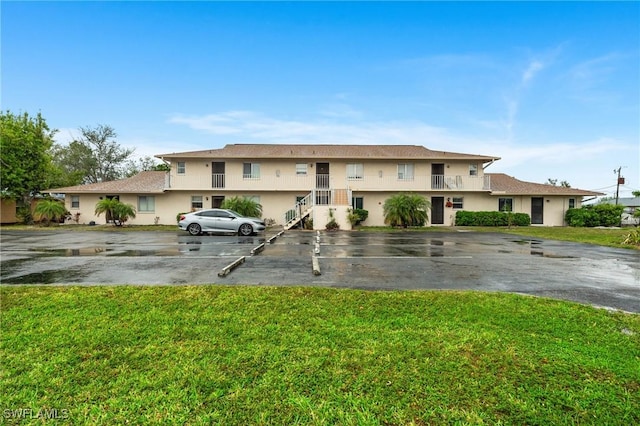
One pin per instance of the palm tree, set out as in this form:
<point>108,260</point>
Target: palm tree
<point>406,210</point>
<point>122,212</point>
<point>115,210</point>
<point>50,209</point>
<point>107,206</point>
<point>244,206</point>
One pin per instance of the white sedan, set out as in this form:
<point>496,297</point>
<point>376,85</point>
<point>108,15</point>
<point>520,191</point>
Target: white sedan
<point>220,221</point>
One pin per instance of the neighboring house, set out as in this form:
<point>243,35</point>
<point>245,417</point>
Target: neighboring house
<point>8,211</point>
<point>293,182</point>
<point>631,204</point>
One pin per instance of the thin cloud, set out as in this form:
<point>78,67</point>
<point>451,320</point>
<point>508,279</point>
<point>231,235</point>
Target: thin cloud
<point>533,68</point>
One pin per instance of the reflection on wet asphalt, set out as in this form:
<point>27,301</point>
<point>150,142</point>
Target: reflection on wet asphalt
<point>406,260</point>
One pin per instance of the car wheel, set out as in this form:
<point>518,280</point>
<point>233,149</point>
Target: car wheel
<point>245,230</point>
<point>194,229</point>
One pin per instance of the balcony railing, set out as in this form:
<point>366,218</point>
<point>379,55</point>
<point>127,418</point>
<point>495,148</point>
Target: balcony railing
<point>306,183</point>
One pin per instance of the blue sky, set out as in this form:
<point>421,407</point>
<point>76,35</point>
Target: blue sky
<point>552,88</point>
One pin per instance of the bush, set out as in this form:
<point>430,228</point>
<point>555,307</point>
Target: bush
<point>632,238</point>
<point>244,206</point>
<point>598,215</point>
<point>332,225</point>
<point>357,216</point>
<point>466,218</point>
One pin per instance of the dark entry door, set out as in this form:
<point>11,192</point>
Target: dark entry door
<point>322,175</point>
<point>537,210</point>
<point>437,210</point>
<point>216,201</point>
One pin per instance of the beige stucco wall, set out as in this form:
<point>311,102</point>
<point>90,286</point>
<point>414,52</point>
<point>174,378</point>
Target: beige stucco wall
<point>281,174</point>
<point>276,204</point>
<point>321,217</point>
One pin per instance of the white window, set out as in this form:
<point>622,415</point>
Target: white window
<point>75,201</point>
<point>355,171</point>
<point>251,170</point>
<point>196,202</point>
<point>181,168</point>
<point>405,171</point>
<point>301,169</point>
<point>146,203</point>
<point>473,170</point>
<point>458,202</point>
<point>254,198</point>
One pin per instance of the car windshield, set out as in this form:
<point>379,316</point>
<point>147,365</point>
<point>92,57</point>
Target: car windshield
<point>235,213</point>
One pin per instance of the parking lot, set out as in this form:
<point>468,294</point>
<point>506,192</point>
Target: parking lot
<point>376,261</point>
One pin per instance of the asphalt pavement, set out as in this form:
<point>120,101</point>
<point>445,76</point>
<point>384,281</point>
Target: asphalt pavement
<point>589,274</point>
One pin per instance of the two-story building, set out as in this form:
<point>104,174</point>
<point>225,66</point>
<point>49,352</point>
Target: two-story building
<point>292,182</point>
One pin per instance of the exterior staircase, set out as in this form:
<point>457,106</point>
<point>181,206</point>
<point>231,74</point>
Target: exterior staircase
<point>317,197</point>
<point>301,210</point>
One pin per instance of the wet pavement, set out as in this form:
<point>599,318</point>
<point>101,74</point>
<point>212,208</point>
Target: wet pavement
<point>377,261</point>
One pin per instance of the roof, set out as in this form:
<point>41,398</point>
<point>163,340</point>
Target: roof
<point>144,182</point>
<point>382,152</point>
<point>505,184</point>
<point>629,201</point>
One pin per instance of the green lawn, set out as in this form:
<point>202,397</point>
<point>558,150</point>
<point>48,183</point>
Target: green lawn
<point>264,355</point>
<point>610,237</point>
<point>604,237</point>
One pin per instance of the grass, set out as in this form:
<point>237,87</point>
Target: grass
<point>263,355</point>
<point>609,237</point>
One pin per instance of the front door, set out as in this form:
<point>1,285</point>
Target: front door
<point>437,210</point>
<point>537,210</point>
<point>322,175</point>
<point>216,201</point>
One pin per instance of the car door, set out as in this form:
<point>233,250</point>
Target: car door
<point>207,220</point>
<point>226,222</point>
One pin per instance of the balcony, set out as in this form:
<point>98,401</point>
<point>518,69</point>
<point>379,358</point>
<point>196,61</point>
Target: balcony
<point>438,183</point>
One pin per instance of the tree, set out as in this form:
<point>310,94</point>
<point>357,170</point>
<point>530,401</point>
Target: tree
<point>406,210</point>
<point>244,206</point>
<point>635,193</point>
<point>147,163</point>
<point>554,182</point>
<point>75,162</point>
<point>115,211</point>
<point>95,156</point>
<point>50,209</point>
<point>24,157</point>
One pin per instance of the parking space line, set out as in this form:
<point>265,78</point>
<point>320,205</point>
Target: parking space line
<point>395,257</point>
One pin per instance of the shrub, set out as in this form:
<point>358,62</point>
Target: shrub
<point>357,216</point>
<point>332,225</point>
<point>466,218</point>
<point>244,206</point>
<point>632,238</point>
<point>362,214</point>
<point>598,215</point>
<point>406,210</point>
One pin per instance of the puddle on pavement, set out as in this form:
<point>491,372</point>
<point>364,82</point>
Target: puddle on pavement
<point>47,277</point>
<point>536,249</point>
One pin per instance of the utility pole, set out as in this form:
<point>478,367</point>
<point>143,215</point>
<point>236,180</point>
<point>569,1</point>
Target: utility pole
<point>620,180</point>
